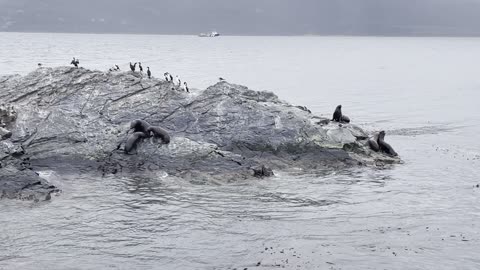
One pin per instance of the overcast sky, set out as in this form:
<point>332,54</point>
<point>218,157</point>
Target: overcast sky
<point>244,17</point>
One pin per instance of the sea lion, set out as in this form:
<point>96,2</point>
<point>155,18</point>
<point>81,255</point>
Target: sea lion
<point>337,115</point>
<point>133,140</point>
<point>140,126</point>
<point>385,147</point>
<point>158,132</point>
<point>344,119</point>
<point>373,144</point>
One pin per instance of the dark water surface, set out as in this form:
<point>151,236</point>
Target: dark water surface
<point>423,214</point>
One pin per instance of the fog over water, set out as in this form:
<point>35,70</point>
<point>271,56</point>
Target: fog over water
<point>422,214</point>
<point>246,17</point>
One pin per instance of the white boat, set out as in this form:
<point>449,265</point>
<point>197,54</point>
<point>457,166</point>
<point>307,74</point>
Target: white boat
<point>210,34</point>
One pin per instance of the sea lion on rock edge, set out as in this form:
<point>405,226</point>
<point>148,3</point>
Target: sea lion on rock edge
<point>140,126</point>
<point>385,147</point>
<point>158,132</point>
<point>345,119</point>
<point>337,115</point>
<point>372,143</point>
<point>133,140</point>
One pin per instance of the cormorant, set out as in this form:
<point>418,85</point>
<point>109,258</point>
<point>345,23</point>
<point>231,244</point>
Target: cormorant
<point>132,67</point>
<point>75,62</point>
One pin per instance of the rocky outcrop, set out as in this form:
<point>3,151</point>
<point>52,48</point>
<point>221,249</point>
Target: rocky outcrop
<point>76,119</point>
<point>24,185</point>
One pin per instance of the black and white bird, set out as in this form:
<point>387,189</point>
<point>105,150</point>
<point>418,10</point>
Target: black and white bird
<point>132,67</point>
<point>140,66</point>
<point>149,73</point>
<point>185,87</point>
<point>179,82</point>
<point>75,62</point>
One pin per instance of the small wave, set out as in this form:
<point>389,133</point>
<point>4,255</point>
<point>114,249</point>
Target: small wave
<point>424,130</point>
<point>297,202</point>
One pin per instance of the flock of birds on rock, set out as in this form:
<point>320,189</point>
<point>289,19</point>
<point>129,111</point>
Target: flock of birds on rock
<point>168,77</point>
<point>143,130</point>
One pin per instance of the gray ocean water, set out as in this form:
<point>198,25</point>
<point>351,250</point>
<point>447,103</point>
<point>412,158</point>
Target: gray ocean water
<point>423,214</point>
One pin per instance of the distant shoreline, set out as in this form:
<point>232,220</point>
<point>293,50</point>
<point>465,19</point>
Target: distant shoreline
<point>252,35</point>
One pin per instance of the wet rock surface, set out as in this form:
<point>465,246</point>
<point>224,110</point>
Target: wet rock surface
<point>24,184</point>
<point>77,119</point>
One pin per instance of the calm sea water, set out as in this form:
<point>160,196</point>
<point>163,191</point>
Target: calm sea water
<point>423,214</point>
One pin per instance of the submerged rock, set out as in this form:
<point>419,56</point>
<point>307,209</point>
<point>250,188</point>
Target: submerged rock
<point>262,172</point>
<point>77,119</point>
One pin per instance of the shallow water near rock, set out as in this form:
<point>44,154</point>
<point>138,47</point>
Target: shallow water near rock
<point>422,214</point>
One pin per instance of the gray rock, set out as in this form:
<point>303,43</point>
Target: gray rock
<point>7,115</point>
<point>77,119</point>
<point>263,171</point>
<point>4,133</point>
<point>24,185</point>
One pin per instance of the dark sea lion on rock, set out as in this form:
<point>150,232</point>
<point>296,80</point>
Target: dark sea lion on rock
<point>337,115</point>
<point>133,140</point>
<point>158,132</point>
<point>385,147</point>
<point>345,119</point>
<point>372,143</point>
<point>140,126</point>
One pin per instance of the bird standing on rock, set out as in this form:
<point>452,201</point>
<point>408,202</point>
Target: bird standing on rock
<point>132,67</point>
<point>149,73</point>
<point>140,67</point>
<point>75,62</point>
<point>179,81</point>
